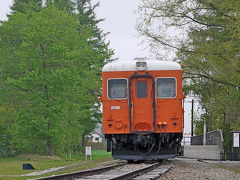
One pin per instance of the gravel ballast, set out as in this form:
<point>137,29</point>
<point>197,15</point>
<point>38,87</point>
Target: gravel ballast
<point>191,169</point>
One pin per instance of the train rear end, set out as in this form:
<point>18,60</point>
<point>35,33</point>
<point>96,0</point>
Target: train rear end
<point>142,109</point>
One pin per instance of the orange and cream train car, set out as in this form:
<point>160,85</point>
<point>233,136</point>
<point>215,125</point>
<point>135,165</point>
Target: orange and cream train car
<point>142,109</point>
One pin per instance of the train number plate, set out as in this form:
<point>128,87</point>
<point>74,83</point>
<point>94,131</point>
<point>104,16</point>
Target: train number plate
<point>115,107</point>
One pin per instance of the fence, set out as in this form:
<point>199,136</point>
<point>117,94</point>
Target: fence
<point>212,138</point>
<point>216,138</point>
<point>186,141</point>
<point>232,156</point>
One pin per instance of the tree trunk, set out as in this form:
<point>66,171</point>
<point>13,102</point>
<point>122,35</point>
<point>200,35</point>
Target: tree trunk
<point>83,144</point>
<point>49,148</point>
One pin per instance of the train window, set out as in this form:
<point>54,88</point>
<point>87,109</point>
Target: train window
<point>141,89</point>
<point>166,87</point>
<point>117,88</point>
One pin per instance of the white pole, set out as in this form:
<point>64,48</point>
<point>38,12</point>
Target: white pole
<point>204,134</point>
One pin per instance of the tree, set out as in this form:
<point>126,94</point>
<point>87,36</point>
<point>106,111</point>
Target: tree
<point>64,5</point>
<point>21,5</point>
<point>206,47</point>
<point>52,69</point>
<point>87,18</point>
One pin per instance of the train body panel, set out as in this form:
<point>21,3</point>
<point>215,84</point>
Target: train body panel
<point>168,111</point>
<point>142,109</point>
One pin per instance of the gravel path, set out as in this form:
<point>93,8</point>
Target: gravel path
<point>191,169</point>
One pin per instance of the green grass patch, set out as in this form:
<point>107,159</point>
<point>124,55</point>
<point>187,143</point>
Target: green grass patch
<point>11,168</point>
<point>232,167</point>
<point>101,154</point>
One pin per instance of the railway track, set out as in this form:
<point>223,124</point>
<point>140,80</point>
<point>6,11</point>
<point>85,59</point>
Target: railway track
<point>120,171</point>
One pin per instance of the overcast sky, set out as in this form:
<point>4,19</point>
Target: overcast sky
<point>120,21</point>
<point>4,8</point>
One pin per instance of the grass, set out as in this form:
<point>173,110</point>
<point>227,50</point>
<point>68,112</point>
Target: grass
<point>234,168</point>
<point>100,154</point>
<point>11,168</point>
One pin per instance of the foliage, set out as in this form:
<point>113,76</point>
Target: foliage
<point>205,38</point>
<point>24,5</point>
<point>64,5</point>
<point>84,11</point>
<point>50,78</point>
<point>199,127</point>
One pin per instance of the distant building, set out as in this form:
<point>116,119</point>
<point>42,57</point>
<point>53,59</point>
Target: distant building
<point>96,136</point>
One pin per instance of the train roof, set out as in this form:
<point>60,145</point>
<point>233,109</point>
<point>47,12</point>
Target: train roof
<point>152,65</point>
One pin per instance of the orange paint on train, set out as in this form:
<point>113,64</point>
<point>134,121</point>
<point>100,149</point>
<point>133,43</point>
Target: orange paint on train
<point>120,118</point>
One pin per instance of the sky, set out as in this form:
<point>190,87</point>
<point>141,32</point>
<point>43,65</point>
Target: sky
<point>4,8</point>
<point>120,21</point>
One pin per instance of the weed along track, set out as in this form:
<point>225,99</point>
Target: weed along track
<point>120,171</point>
<point>77,174</point>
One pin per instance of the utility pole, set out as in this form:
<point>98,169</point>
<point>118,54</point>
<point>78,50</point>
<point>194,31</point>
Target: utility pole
<point>192,116</point>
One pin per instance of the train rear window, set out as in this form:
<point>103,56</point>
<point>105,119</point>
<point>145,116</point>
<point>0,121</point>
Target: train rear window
<point>166,87</point>
<point>141,89</point>
<point>117,88</point>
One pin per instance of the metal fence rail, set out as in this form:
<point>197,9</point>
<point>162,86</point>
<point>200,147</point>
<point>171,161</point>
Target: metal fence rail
<point>232,156</point>
<point>212,138</point>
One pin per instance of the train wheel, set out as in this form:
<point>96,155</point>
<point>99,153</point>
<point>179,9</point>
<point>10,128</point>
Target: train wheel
<point>130,161</point>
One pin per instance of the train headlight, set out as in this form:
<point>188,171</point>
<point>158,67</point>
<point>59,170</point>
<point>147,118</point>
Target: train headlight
<point>141,66</point>
<point>138,64</point>
<point>144,64</point>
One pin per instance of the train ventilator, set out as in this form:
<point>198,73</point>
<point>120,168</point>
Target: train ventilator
<point>142,109</point>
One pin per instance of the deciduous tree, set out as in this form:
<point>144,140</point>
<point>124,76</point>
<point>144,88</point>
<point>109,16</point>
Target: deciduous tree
<point>49,64</point>
<point>205,38</point>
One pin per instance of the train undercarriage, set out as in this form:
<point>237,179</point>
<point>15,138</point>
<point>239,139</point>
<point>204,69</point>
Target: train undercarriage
<point>155,146</point>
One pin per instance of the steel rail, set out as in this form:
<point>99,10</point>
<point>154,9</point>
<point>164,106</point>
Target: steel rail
<point>135,173</point>
<point>78,174</point>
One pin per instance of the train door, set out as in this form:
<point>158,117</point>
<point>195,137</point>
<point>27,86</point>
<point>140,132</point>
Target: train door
<point>142,101</point>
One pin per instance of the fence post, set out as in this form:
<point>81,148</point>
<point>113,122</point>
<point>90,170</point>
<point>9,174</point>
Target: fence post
<point>204,133</point>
